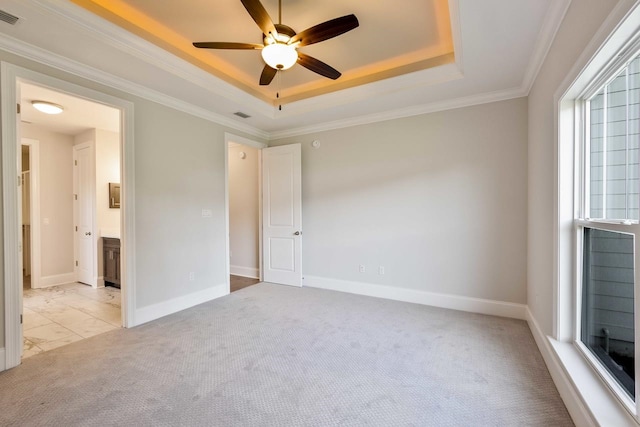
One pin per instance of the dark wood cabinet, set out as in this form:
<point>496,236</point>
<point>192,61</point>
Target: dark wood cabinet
<point>111,261</point>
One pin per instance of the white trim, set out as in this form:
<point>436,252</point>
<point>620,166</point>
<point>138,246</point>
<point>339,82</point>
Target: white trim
<point>10,76</point>
<point>454,302</point>
<point>449,104</point>
<point>36,243</point>
<point>100,282</point>
<point>547,34</point>
<point>57,279</point>
<point>165,308</point>
<point>11,221</point>
<point>250,272</point>
<point>2,359</point>
<point>227,237</point>
<point>127,216</point>
<point>586,397</point>
<point>579,412</point>
<point>34,53</point>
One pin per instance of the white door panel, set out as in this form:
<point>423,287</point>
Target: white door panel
<point>84,204</point>
<point>282,214</point>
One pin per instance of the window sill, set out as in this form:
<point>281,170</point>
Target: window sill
<point>596,399</point>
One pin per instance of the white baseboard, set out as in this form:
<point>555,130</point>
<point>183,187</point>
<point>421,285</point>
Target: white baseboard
<point>58,279</point>
<point>156,311</point>
<point>3,360</point>
<point>454,302</point>
<point>576,407</point>
<point>252,273</point>
<point>100,282</point>
<point>587,398</point>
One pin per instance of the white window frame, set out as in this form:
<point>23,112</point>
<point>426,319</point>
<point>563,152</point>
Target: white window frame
<point>582,221</point>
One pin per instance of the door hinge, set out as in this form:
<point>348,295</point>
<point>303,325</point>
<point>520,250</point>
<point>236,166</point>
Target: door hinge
<point>18,108</point>
<point>19,180</point>
<point>75,196</point>
<point>76,263</point>
<point>75,163</point>
<point>76,228</point>
<point>21,319</point>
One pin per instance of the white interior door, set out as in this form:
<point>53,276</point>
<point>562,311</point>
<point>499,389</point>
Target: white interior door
<point>282,214</point>
<point>84,203</point>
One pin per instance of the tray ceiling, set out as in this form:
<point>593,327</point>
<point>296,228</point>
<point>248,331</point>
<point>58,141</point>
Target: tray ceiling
<point>390,40</point>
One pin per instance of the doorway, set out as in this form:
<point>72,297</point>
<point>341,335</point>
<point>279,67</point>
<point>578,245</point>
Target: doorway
<point>14,80</point>
<point>65,300</point>
<point>243,166</point>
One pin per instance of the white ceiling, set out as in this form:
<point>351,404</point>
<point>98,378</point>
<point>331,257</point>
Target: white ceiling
<point>499,47</point>
<point>78,116</point>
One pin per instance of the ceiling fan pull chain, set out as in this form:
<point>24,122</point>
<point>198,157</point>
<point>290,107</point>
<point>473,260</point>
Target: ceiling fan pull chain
<point>279,11</point>
<point>278,91</point>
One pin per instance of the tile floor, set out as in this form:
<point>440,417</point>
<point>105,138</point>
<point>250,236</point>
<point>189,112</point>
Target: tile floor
<point>60,315</point>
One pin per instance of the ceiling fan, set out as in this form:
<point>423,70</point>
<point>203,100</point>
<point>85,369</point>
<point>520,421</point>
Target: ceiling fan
<point>281,42</point>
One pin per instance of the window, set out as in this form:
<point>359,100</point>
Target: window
<point>608,226</point>
<point>613,147</point>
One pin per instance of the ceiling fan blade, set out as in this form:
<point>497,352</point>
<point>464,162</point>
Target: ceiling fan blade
<point>318,66</point>
<point>267,75</point>
<point>226,45</point>
<point>260,15</point>
<point>326,30</point>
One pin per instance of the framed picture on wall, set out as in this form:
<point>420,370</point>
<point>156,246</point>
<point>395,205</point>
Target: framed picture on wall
<point>114,195</point>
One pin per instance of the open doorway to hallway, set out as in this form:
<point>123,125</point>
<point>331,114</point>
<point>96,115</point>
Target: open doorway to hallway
<point>68,161</point>
<point>244,213</point>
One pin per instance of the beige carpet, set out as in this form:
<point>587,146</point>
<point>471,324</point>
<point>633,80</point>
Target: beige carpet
<point>273,355</point>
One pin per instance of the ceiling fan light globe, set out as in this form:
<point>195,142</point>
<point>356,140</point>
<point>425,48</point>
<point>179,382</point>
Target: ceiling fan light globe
<point>280,56</point>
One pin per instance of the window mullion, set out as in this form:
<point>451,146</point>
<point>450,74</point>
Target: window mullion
<point>605,93</point>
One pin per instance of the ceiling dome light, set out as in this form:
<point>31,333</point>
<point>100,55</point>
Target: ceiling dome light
<point>47,107</point>
<point>280,56</point>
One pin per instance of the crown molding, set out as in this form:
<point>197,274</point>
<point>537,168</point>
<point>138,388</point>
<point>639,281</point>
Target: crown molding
<point>34,53</point>
<point>138,47</point>
<point>155,56</point>
<point>547,34</point>
<point>433,107</point>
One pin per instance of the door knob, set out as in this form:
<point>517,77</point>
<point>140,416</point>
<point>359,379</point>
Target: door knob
<point>297,233</point>
<point>88,233</point>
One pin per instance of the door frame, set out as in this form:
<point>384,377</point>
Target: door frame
<point>228,138</point>
<point>10,78</point>
<point>91,145</point>
<point>34,206</point>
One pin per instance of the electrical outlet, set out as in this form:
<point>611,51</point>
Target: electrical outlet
<point>192,276</point>
<point>361,268</point>
<point>206,213</point>
<point>381,270</point>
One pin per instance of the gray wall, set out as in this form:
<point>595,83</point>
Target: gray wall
<point>244,209</point>
<point>179,162</point>
<point>580,23</point>
<point>439,200</point>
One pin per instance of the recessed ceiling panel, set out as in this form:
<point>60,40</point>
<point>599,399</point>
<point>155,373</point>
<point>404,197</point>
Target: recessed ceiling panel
<point>392,39</point>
